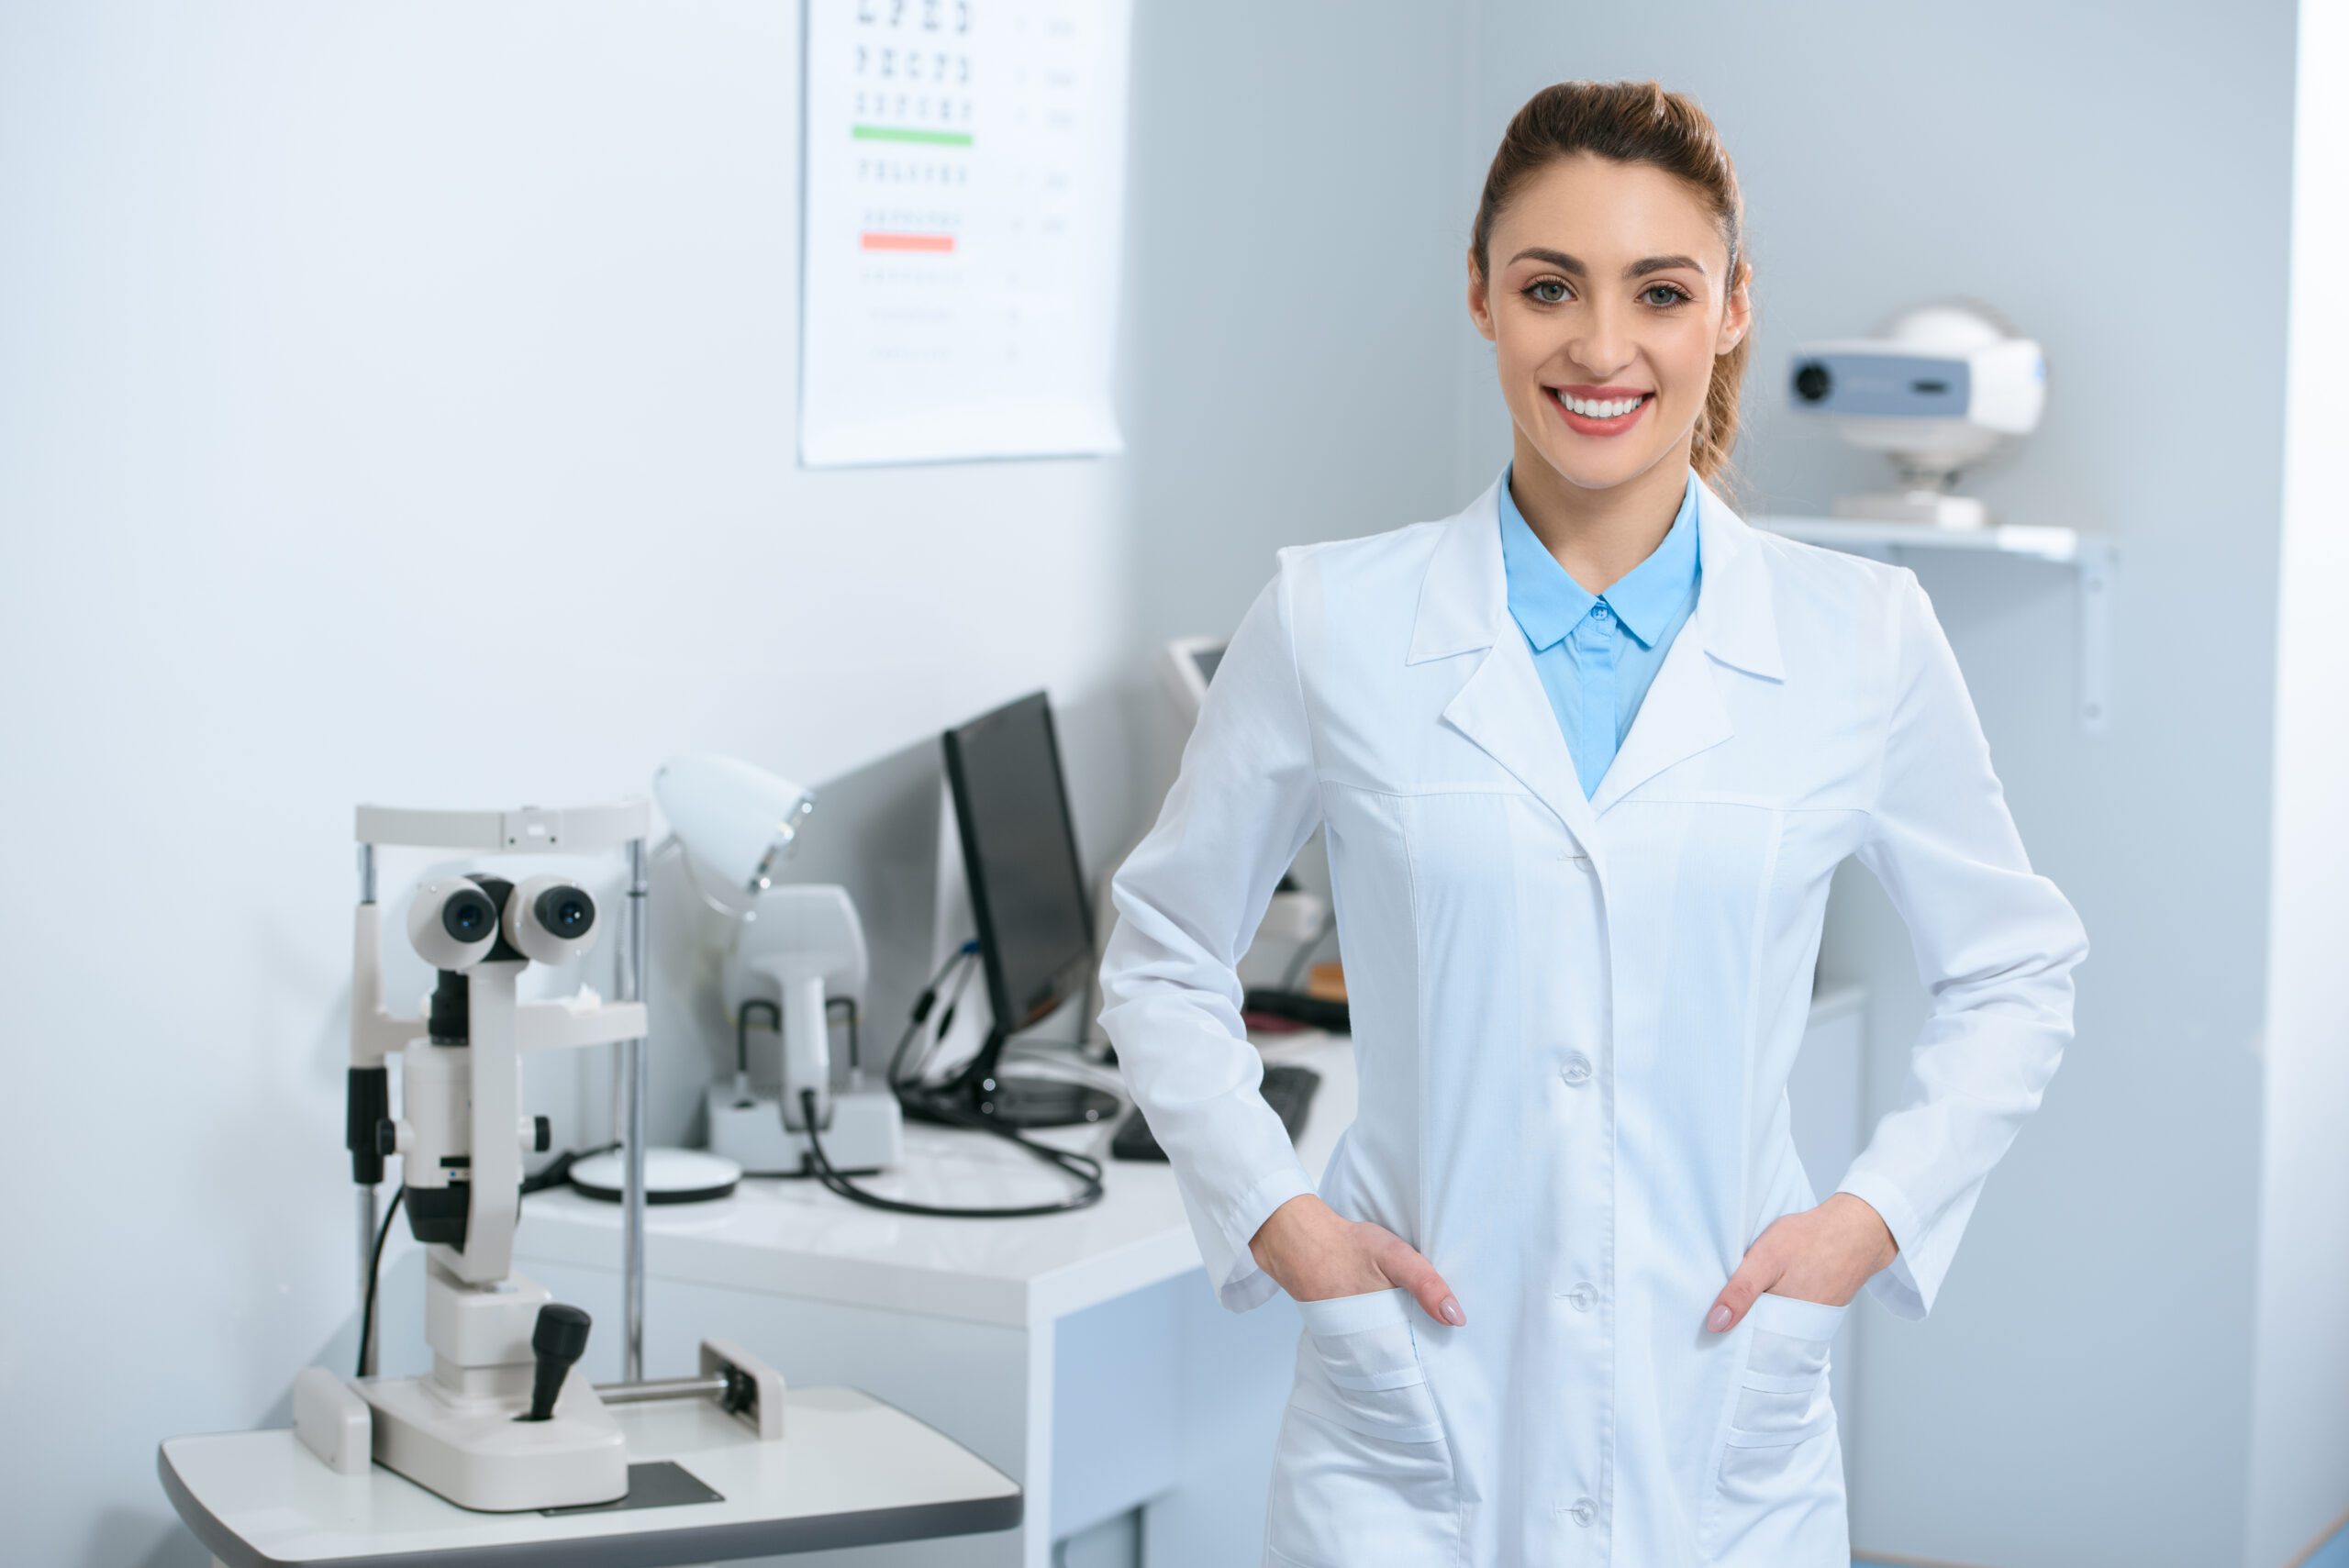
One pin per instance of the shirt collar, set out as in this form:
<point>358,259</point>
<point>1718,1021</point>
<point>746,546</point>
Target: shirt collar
<point>1547,602</point>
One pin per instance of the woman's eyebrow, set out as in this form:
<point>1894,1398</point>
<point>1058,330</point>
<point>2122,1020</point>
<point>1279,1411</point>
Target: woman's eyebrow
<point>1639,269</point>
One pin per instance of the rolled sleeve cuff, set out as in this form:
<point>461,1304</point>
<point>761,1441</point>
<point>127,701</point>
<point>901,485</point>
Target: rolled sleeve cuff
<point>1239,1284</point>
<point>1895,1285</point>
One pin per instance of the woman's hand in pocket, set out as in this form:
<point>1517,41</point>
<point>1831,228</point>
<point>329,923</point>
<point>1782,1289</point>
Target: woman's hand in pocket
<point>1314,1253</point>
<point>1822,1254</point>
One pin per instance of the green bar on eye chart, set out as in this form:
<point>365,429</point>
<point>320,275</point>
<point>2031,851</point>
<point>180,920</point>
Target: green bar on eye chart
<point>902,133</point>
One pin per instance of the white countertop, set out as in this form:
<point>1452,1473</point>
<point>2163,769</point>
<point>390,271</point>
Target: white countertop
<point>793,1238</point>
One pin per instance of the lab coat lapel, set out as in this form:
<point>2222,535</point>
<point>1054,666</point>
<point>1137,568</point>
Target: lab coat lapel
<point>1503,708</point>
<point>1464,609</point>
<point>1733,626</point>
<point>1681,715</point>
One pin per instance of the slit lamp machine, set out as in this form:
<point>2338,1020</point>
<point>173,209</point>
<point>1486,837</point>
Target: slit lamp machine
<point>501,1422</point>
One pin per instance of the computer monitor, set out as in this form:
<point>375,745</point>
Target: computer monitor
<point>1028,897</point>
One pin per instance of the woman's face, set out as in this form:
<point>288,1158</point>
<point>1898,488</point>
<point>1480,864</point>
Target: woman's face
<point>1608,283</point>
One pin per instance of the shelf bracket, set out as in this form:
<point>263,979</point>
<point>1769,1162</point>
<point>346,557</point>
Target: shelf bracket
<point>2097,564</point>
<point>2094,563</point>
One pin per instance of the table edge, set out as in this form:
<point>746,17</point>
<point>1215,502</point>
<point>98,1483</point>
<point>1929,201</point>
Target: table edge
<point>636,1549</point>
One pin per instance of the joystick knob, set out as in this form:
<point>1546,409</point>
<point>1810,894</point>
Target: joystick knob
<point>559,1341</point>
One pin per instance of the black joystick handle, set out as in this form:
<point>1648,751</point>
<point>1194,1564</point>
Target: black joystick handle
<point>559,1341</point>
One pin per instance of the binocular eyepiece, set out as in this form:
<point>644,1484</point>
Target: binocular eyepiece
<point>459,922</point>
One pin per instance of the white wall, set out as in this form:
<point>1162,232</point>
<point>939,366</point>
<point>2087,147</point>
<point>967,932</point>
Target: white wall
<point>2300,1436</point>
<point>1297,242</point>
<point>398,404</point>
<point>2117,180</point>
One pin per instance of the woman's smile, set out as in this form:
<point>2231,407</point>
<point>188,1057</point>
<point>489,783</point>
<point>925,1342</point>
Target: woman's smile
<point>1597,411</point>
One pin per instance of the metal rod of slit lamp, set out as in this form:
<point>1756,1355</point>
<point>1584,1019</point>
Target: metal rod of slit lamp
<point>367,1216</point>
<point>659,1388</point>
<point>632,1185</point>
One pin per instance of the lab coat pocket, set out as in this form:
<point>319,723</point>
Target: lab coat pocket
<point>1362,1470</point>
<point>1779,1453</point>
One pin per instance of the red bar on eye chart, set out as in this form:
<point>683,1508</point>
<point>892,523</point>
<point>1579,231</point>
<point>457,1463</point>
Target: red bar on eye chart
<point>877,241</point>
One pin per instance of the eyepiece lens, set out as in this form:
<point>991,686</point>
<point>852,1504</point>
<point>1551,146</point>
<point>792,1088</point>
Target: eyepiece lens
<point>468,915</point>
<point>568,912</point>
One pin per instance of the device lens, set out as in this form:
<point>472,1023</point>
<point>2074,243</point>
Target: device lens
<point>567,911</point>
<point>1812,384</point>
<point>468,916</point>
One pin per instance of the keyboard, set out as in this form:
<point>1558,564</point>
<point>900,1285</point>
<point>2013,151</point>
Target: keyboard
<point>1296,1008</point>
<point>1287,1088</point>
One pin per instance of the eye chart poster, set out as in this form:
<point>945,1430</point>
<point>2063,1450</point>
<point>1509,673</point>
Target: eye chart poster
<point>963,196</point>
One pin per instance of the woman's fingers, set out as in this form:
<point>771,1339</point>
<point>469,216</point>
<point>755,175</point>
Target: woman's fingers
<point>1402,1263</point>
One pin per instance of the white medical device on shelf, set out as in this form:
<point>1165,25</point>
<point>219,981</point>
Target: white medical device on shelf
<point>500,1423</point>
<point>1939,388</point>
<point>794,949</point>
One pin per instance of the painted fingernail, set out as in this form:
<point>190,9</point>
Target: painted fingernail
<point>1719,1318</point>
<point>1452,1313</point>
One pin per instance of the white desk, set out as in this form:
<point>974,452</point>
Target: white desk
<point>1082,1354</point>
<point>850,1471</point>
<point>793,1238</point>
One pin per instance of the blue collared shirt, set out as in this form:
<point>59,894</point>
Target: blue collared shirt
<point>1597,654</point>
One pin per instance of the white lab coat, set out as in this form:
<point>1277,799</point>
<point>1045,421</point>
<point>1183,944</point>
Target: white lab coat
<point>1574,1021</point>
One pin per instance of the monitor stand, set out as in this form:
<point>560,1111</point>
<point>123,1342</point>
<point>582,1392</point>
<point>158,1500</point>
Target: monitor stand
<point>979,1091</point>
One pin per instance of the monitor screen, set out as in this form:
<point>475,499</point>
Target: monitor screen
<point>1020,854</point>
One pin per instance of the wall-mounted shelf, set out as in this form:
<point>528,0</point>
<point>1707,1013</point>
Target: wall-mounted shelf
<point>2091,558</point>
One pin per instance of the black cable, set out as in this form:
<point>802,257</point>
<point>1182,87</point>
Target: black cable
<point>929,999</point>
<point>1084,1167</point>
<point>945,1019</point>
<point>557,1172</point>
<point>374,1268</point>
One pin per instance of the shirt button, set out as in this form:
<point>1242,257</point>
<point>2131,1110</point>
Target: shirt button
<point>1583,1510</point>
<point>1583,1295</point>
<point>1578,1068</point>
<point>1598,610</point>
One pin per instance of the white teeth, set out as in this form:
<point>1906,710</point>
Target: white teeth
<point>1606,409</point>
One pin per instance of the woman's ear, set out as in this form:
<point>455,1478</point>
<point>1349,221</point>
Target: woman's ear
<point>1480,310</point>
<point>1737,317</point>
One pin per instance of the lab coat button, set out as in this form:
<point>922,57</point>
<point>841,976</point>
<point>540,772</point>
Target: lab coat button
<point>1583,1295</point>
<point>1578,1068</point>
<point>1583,1510</point>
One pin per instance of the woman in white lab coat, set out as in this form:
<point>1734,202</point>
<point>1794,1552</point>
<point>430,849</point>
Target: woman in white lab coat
<point>1566,1290</point>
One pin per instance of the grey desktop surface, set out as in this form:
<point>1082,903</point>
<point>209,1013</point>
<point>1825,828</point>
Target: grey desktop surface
<point>260,1500</point>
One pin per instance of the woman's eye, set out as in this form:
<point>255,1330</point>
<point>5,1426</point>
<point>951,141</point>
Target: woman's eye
<point>1536,289</point>
<point>1672,294</point>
